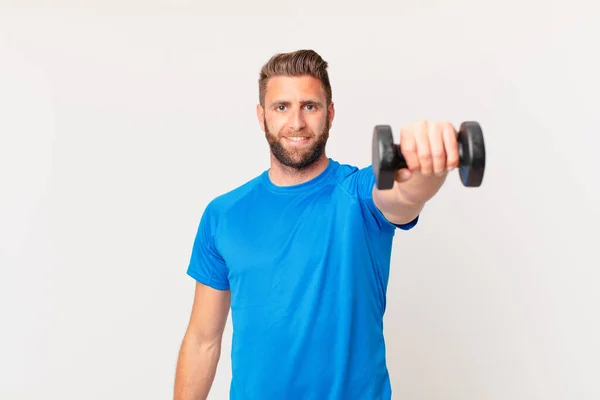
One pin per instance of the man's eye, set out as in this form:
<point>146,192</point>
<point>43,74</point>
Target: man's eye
<point>310,106</point>
<point>280,108</point>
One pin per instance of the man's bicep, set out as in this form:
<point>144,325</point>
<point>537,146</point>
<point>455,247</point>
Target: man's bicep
<point>206,264</point>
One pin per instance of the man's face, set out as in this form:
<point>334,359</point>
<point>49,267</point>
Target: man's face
<point>296,120</point>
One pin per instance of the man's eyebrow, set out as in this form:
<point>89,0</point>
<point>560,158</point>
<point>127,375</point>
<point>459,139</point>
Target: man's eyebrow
<point>287,103</point>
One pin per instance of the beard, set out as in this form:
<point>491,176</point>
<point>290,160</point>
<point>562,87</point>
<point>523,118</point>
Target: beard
<point>301,158</point>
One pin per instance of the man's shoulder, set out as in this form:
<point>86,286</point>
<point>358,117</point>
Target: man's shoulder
<point>222,202</point>
<point>347,175</point>
<point>347,170</point>
<point>354,178</point>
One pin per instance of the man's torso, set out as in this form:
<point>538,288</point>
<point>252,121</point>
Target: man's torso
<point>307,267</point>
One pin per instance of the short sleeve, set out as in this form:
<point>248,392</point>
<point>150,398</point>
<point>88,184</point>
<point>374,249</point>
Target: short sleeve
<point>206,264</point>
<point>361,182</point>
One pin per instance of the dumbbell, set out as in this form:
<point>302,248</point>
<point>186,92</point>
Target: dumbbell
<point>388,159</point>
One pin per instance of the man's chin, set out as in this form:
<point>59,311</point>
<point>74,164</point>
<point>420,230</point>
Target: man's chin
<point>299,156</point>
<point>295,160</point>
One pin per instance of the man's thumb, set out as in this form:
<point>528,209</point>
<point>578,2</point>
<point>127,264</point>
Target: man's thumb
<point>403,175</point>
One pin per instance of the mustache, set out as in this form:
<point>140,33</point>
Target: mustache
<point>298,134</point>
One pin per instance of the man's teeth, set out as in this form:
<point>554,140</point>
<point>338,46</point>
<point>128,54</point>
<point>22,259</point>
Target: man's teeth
<point>297,139</point>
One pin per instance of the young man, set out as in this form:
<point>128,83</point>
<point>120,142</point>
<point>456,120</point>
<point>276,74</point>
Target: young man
<point>301,253</point>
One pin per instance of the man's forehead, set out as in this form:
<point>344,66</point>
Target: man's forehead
<point>295,88</point>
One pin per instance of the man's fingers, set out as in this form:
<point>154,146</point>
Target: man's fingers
<point>408,147</point>
<point>451,145</point>
<point>429,148</point>
<point>438,153</point>
<point>423,148</point>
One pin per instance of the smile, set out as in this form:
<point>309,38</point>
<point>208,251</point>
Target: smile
<point>297,139</point>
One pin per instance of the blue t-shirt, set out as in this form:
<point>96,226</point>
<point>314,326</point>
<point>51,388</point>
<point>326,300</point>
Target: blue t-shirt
<point>308,267</point>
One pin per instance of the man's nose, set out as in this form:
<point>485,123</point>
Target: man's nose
<point>297,121</point>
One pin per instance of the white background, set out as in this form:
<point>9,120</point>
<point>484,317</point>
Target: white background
<point>116,130</point>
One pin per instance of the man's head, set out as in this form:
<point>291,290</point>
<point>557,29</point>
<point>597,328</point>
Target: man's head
<point>295,107</point>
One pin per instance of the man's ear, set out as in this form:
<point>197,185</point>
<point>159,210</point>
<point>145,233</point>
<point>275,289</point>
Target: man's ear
<point>260,114</point>
<point>331,113</point>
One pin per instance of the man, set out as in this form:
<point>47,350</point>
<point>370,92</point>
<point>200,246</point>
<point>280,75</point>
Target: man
<point>301,253</point>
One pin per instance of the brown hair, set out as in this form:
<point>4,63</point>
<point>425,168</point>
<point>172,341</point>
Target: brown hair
<point>297,63</point>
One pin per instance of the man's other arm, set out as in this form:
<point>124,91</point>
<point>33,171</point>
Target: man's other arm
<point>201,346</point>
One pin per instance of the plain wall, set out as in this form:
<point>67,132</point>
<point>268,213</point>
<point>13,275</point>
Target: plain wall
<point>117,130</point>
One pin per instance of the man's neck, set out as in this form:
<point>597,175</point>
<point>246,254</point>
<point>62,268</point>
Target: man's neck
<point>282,175</point>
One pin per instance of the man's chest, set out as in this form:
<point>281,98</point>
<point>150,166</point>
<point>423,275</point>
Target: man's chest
<point>289,233</point>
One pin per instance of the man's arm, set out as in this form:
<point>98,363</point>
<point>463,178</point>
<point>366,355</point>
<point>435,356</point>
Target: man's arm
<point>201,347</point>
<point>402,205</point>
<point>431,151</point>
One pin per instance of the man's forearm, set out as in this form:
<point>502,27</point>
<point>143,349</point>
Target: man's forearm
<point>405,201</point>
<point>419,189</point>
<point>196,369</point>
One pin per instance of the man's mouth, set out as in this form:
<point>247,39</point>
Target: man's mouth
<point>297,139</point>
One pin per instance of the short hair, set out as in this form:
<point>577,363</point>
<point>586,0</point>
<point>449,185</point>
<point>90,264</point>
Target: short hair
<point>296,63</point>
